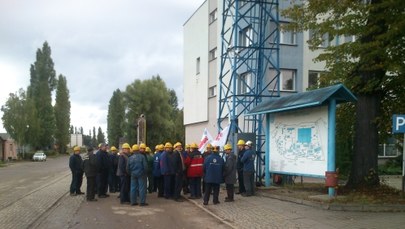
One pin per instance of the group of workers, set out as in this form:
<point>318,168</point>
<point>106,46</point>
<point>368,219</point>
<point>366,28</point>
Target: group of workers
<point>168,171</point>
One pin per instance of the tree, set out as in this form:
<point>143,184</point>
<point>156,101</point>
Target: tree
<point>62,114</point>
<point>94,138</point>
<point>100,136</point>
<point>42,83</point>
<point>151,98</point>
<point>115,118</point>
<point>371,66</point>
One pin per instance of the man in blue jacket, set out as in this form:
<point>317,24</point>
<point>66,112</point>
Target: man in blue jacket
<point>248,160</point>
<point>75,165</point>
<point>137,167</point>
<point>157,175</point>
<point>167,168</point>
<point>213,176</point>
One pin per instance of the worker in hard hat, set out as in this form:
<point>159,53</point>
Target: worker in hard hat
<point>207,152</point>
<point>179,168</point>
<point>168,171</point>
<point>229,172</point>
<point>195,172</point>
<point>122,172</point>
<point>113,179</point>
<point>157,175</point>
<point>213,176</point>
<point>75,165</point>
<point>137,168</point>
<point>248,160</point>
<point>104,169</point>
<point>239,166</point>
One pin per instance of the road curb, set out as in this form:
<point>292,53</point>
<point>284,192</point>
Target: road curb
<point>338,206</point>
<point>210,213</point>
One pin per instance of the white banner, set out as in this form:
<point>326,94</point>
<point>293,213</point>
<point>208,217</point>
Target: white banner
<point>221,138</point>
<point>205,139</point>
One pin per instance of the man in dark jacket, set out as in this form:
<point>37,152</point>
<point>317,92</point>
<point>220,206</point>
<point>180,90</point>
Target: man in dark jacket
<point>248,160</point>
<point>179,168</point>
<point>125,178</point>
<point>168,171</point>
<point>104,168</point>
<point>213,176</point>
<point>157,175</point>
<point>75,165</point>
<point>229,172</point>
<point>113,179</point>
<point>90,169</point>
<point>239,166</point>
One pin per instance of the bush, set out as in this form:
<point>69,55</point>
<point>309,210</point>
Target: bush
<point>391,167</point>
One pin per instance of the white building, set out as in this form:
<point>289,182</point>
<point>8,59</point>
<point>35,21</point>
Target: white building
<point>202,51</point>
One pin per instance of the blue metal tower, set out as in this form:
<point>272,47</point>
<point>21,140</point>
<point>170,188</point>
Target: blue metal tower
<point>249,68</point>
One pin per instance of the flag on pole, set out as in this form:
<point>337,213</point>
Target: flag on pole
<point>205,139</point>
<point>222,136</point>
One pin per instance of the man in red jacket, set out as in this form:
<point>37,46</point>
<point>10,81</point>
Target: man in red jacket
<point>195,172</point>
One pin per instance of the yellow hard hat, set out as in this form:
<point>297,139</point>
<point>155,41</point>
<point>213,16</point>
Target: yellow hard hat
<point>142,146</point>
<point>157,147</point>
<point>125,146</point>
<point>228,147</point>
<point>113,148</point>
<point>161,147</point>
<point>187,146</point>
<point>76,148</point>
<point>148,150</point>
<point>135,147</point>
<point>194,146</point>
<point>99,145</point>
<point>209,146</point>
<point>241,142</point>
<point>168,145</point>
<point>177,144</point>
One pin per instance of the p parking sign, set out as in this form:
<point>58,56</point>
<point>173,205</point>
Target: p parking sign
<point>398,124</point>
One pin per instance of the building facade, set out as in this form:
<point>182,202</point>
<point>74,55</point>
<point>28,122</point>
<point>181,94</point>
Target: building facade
<point>8,148</point>
<point>202,62</point>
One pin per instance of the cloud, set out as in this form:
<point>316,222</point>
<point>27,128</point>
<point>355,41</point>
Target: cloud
<point>99,45</point>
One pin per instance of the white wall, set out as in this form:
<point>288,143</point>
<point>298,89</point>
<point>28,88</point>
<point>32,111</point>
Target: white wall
<point>195,35</point>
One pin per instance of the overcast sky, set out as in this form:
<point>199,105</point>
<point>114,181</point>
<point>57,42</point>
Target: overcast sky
<point>98,45</point>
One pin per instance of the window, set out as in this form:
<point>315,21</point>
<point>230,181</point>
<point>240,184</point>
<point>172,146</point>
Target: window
<point>246,37</point>
<point>314,79</point>
<point>212,91</point>
<point>245,83</point>
<point>325,38</point>
<point>198,66</point>
<point>213,16</point>
<point>287,79</point>
<point>288,37</point>
<point>349,38</point>
<point>213,54</point>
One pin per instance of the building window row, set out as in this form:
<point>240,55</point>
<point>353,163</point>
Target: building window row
<point>212,54</point>
<point>213,16</point>
<point>287,78</point>
<point>212,91</point>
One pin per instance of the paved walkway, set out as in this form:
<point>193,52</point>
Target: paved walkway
<point>263,212</point>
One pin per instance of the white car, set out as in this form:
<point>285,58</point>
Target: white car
<point>39,156</point>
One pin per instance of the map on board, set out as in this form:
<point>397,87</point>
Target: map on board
<point>298,141</point>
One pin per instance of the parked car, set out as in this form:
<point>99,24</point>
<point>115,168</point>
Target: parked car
<point>39,156</point>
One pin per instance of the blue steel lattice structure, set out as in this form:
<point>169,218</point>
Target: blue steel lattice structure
<point>249,50</point>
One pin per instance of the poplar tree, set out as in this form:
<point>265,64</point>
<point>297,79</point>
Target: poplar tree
<point>62,114</point>
<point>42,83</point>
<point>115,118</point>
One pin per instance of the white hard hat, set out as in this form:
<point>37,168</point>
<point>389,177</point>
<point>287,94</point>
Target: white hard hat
<point>249,143</point>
